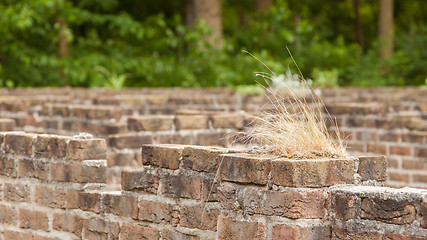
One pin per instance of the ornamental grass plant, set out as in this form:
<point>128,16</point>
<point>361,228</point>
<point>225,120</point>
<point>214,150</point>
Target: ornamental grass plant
<point>296,125</point>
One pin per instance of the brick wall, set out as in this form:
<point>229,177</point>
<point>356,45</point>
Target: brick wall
<point>388,121</point>
<point>54,187</point>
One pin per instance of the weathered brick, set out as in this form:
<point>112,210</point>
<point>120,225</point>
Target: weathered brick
<point>373,168</point>
<point>89,171</point>
<point>49,146</point>
<point>17,192</point>
<point>7,166</point>
<point>174,138</point>
<point>8,234</point>
<point>201,158</point>
<point>210,189</point>
<point>98,228</point>
<point>401,150</point>
<point>164,156</point>
<point>51,197</point>
<point>120,205</point>
<point>191,122</point>
<point>227,120</point>
<point>19,143</point>
<point>420,152</point>
<point>129,140</point>
<point>244,168</point>
<point>140,180</point>
<point>376,148</point>
<point>8,215</point>
<point>199,217</point>
<point>414,164</point>
<point>395,176</point>
<point>33,220</point>
<point>39,237</point>
<point>154,211</point>
<point>139,232</point>
<point>229,229</point>
<point>280,232</point>
<point>60,172</point>
<point>87,149</point>
<point>182,186</point>
<point>33,168</point>
<point>342,234</point>
<point>7,124</point>
<point>312,172</point>
<point>397,236</point>
<point>388,210</point>
<point>423,211</point>
<point>122,159</point>
<point>89,201</point>
<point>68,222</point>
<point>392,163</point>
<point>150,123</point>
<point>290,204</point>
<point>174,235</point>
<point>421,178</point>
<point>345,206</point>
<point>211,139</point>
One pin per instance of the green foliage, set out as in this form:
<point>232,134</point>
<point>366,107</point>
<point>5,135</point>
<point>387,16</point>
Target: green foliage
<point>148,44</point>
<point>250,90</point>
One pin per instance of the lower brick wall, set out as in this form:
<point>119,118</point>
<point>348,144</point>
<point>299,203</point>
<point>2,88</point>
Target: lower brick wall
<point>54,187</point>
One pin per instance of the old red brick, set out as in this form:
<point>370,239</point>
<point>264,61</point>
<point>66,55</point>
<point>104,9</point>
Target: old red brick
<point>7,124</point>
<point>140,180</point>
<point>295,233</point>
<point>230,229</point>
<point>33,219</point>
<point>182,186</point>
<point>51,197</point>
<point>341,234</point>
<point>87,149</point>
<point>164,156</point>
<point>7,166</point>
<point>122,159</point>
<point>395,176</point>
<point>89,201</point>
<point>17,192</point>
<point>423,211</point>
<point>33,168</point>
<point>68,222</point>
<point>8,215</point>
<point>244,168</point>
<point>139,232</point>
<point>173,235</point>
<point>154,211</point>
<point>150,123</point>
<point>50,146</point>
<point>397,236</point>
<point>201,158</point>
<point>191,122</point>
<point>98,228</point>
<point>39,237</point>
<point>227,120</point>
<point>199,217</point>
<point>312,172</point>
<point>345,206</point>
<point>7,234</point>
<point>130,140</point>
<point>388,210</point>
<point>290,204</point>
<point>88,171</point>
<point>401,150</point>
<point>420,152</point>
<point>375,148</point>
<point>118,204</point>
<point>19,143</point>
<point>373,168</point>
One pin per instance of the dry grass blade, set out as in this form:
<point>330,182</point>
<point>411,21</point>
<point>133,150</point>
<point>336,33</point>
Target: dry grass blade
<point>295,128</point>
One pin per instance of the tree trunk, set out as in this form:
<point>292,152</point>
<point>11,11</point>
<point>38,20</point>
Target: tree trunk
<point>386,29</point>
<point>208,11</point>
<point>358,26</point>
<point>261,5</point>
<point>63,42</point>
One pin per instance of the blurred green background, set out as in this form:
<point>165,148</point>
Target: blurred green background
<point>199,43</point>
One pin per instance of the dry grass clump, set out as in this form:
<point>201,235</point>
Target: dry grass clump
<point>295,128</point>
